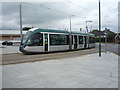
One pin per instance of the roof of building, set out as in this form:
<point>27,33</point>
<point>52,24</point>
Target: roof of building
<point>10,32</point>
<point>103,33</point>
<point>117,36</point>
<point>107,31</point>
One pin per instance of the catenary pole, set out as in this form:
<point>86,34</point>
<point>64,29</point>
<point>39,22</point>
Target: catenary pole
<point>99,29</point>
<point>20,22</point>
<point>70,33</point>
<point>105,39</point>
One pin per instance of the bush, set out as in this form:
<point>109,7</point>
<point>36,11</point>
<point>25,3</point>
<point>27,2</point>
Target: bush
<point>102,39</point>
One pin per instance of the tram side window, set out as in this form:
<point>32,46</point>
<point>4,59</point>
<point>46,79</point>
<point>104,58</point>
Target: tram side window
<point>54,39</point>
<point>85,38</point>
<point>80,39</point>
<point>67,39</point>
<point>35,40</point>
<point>72,39</point>
<point>64,39</point>
<point>92,40</point>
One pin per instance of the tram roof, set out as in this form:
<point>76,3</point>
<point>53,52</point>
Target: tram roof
<point>50,30</point>
<point>57,31</point>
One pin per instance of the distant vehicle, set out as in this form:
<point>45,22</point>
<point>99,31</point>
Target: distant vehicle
<point>38,40</point>
<point>7,43</point>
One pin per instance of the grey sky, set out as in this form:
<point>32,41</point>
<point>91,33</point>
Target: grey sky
<point>56,14</point>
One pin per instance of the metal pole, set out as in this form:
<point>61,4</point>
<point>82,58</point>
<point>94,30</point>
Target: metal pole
<point>86,27</point>
<point>70,35</point>
<point>99,30</point>
<point>87,33</point>
<point>88,40</point>
<point>20,22</point>
<point>91,28</point>
<point>105,40</point>
<point>70,24</point>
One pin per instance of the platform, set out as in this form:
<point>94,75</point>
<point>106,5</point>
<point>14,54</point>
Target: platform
<point>88,71</point>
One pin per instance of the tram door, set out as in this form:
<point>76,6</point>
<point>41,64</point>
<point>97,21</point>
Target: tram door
<point>46,42</point>
<point>75,42</point>
<point>85,42</point>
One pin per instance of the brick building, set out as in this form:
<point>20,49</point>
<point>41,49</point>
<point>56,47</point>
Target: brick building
<point>10,35</point>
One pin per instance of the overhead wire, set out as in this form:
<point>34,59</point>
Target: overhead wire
<point>76,5</point>
<point>41,5</point>
<point>53,10</point>
<point>48,8</point>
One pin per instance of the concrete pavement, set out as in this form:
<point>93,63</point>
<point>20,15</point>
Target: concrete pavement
<point>9,49</point>
<point>88,71</point>
<point>111,47</point>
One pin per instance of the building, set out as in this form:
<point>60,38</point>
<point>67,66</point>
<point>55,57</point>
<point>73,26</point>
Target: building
<point>107,31</point>
<point>103,33</point>
<point>10,35</point>
<point>117,38</point>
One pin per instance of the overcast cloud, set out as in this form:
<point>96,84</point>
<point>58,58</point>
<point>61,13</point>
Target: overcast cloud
<point>57,14</point>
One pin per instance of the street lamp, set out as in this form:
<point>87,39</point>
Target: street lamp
<point>70,22</point>
<point>87,24</point>
<point>105,35</point>
<point>87,30</point>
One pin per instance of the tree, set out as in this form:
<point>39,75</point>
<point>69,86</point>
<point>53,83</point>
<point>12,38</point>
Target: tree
<point>110,37</point>
<point>26,28</point>
<point>97,32</point>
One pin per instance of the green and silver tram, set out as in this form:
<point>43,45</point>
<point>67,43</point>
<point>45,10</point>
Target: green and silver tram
<point>38,40</point>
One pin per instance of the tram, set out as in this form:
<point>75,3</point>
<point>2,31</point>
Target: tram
<point>38,40</point>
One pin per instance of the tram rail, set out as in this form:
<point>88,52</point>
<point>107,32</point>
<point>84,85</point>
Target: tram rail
<point>21,58</point>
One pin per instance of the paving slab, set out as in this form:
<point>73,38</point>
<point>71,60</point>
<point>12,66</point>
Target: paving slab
<point>88,71</point>
<point>9,49</point>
